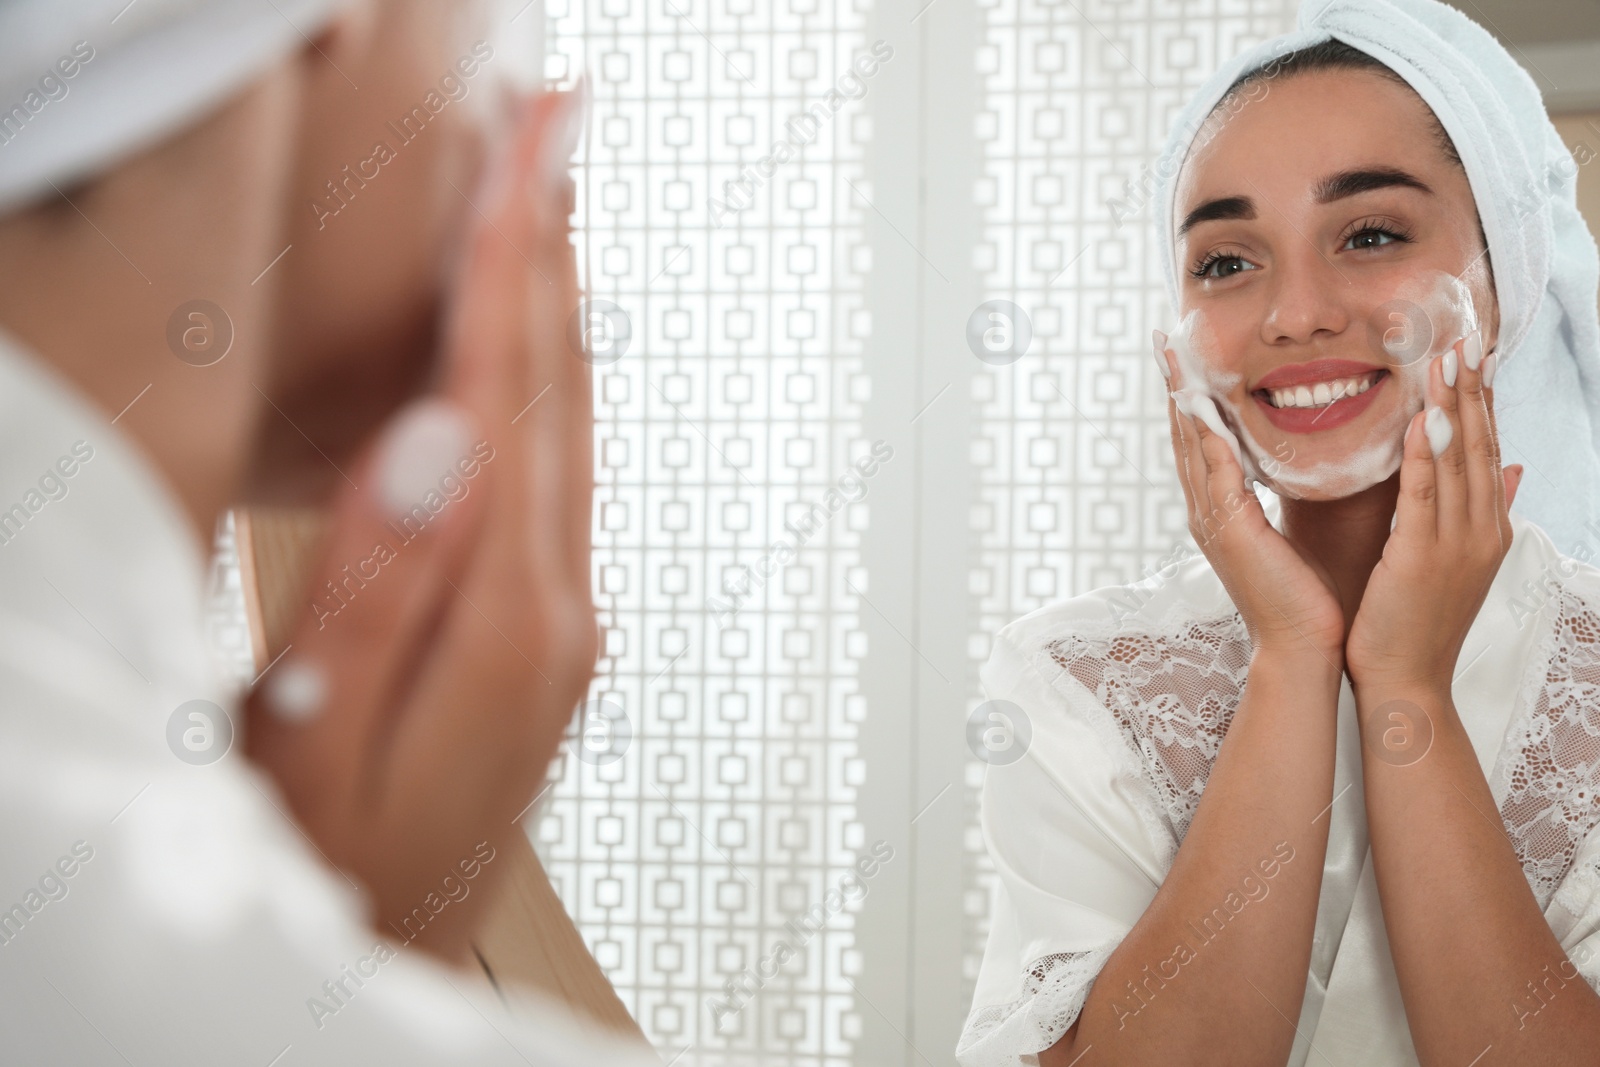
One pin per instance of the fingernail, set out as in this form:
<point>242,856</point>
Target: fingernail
<point>420,449</point>
<point>1490,364</point>
<point>1161,354</point>
<point>296,691</point>
<point>1449,364</point>
<point>1472,351</point>
<point>1437,425</point>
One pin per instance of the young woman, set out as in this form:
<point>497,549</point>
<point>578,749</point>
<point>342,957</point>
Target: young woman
<point>219,289</point>
<point>1326,793</point>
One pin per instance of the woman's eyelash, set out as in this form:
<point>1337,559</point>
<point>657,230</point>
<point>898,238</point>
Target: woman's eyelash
<point>1383,226</point>
<point>1380,226</point>
<point>1211,259</point>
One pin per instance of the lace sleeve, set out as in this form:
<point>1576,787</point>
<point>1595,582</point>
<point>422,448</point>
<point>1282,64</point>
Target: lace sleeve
<point>1082,829</point>
<point>1053,991</point>
<point>1549,774</point>
<point>1574,914</point>
<point>1169,696</point>
<point>1550,770</point>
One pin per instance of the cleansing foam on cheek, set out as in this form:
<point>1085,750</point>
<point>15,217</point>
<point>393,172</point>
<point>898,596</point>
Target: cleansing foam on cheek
<point>1202,407</point>
<point>1207,391</point>
<point>1427,315</point>
<point>1432,311</point>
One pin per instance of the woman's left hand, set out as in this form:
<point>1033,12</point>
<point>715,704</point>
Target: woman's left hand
<point>1451,531</point>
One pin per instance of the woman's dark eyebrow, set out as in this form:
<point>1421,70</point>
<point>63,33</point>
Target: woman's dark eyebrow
<point>1227,207</point>
<point>1334,187</point>
<point>1350,182</point>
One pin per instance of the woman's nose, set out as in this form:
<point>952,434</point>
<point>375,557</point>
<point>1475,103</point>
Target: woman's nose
<point>1309,295</point>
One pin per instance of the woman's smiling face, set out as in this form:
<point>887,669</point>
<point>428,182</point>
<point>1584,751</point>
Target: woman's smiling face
<point>1328,248</point>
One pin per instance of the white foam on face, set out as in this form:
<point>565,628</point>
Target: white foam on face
<point>1441,312</point>
<point>1202,407</point>
<point>1205,386</point>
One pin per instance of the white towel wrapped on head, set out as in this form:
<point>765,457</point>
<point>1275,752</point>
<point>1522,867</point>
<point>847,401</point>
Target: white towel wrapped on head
<point>84,83</point>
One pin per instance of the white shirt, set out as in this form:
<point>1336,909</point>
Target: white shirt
<point>1083,826</point>
<point>155,910</point>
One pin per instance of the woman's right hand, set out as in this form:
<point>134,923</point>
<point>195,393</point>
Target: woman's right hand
<point>1286,599</point>
<point>427,687</point>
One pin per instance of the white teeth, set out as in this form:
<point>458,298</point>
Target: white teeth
<point>1320,395</point>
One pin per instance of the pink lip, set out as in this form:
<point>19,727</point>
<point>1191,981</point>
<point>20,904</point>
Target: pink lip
<point>1312,420</point>
<point>1317,370</point>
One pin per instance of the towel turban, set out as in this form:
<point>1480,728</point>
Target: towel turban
<point>84,83</point>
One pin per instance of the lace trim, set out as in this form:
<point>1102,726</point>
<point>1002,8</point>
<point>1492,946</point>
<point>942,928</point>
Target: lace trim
<point>1053,991</point>
<point>1551,764</point>
<point>1171,695</point>
<point>1578,895</point>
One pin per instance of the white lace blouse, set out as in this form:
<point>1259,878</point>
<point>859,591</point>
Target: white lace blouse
<point>1127,692</point>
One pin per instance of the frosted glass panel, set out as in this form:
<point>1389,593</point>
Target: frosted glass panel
<point>707,810</point>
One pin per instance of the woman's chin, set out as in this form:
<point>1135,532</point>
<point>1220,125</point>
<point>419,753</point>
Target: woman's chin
<point>1330,472</point>
<point>1310,494</point>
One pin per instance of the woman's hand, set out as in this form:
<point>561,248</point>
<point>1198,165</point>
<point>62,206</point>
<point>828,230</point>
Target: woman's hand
<point>1452,529</point>
<point>1286,600</point>
<point>452,630</point>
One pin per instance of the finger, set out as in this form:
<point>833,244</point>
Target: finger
<point>533,565</point>
<point>485,329</point>
<point>1485,484</point>
<point>507,350</point>
<point>1191,463</point>
<point>1180,443</point>
<point>1180,451</point>
<point>1491,364</point>
<point>487,338</point>
<point>1415,511</point>
<point>1186,451</point>
<point>1442,425</point>
<point>382,574</point>
<point>1224,476</point>
<point>530,540</point>
<point>510,332</point>
<point>561,430</point>
<point>1513,479</point>
<point>1204,523</point>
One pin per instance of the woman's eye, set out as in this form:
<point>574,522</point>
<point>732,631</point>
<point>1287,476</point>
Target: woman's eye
<point>1370,239</point>
<point>1225,266</point>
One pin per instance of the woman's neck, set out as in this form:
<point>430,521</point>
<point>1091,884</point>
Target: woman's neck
<point>1346,536</point>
